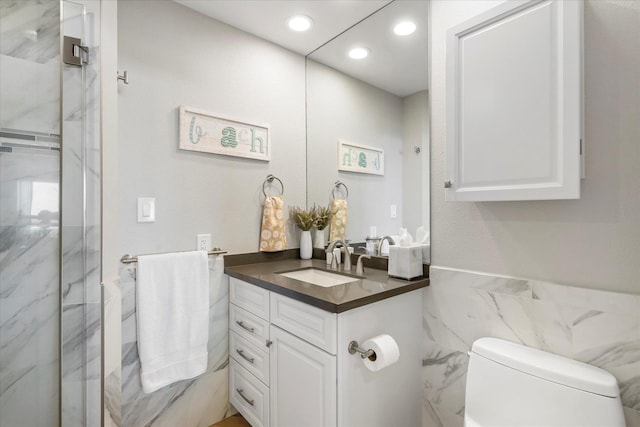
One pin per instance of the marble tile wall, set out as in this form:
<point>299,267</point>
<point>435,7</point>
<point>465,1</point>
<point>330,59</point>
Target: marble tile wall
<point>112,322</point>
<point>29,291</point>
<point>29,215</point>
<point>30,65</point>
<point>199,402</point>
<point>597,327</point>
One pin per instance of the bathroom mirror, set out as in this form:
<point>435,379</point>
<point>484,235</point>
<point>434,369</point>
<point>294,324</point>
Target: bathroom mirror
<point>378,108</point>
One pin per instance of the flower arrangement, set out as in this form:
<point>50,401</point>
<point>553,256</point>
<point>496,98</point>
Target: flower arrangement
<point>304,219</point>
<point>322,216</point>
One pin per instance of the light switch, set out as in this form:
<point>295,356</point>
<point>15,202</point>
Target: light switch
<point>146,209</point>
<point>394,211</point>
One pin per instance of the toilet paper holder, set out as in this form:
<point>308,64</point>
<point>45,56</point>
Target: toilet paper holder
<point>355,348</point>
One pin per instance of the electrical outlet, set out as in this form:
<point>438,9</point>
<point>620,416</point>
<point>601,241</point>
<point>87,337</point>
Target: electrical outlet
<point>394,211</point>
<point>203,242</point>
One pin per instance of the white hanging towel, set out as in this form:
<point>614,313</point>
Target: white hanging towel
<point>172,310</point>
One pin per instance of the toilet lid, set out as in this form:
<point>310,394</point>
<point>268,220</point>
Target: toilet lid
<point>548,366</point>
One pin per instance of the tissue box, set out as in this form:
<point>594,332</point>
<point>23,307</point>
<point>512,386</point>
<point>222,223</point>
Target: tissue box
<point>405,262</point>
<point>426,253</point>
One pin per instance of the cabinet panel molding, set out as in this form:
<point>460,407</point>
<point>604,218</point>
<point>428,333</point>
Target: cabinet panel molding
<point>303,383</point>
<point>248,395</point>
<point>514,103</point>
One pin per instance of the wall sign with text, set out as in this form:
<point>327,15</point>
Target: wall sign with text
<point>360,158</point>
<point>210,133</point>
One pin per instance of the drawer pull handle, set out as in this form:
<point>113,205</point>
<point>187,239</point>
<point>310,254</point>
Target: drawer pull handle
<point>243,326</point>
<point>241,353</point>
<point>240,392</point>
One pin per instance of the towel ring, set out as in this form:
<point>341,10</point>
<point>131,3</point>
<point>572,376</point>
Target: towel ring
<point>337,186</point>
<point>269,180</point>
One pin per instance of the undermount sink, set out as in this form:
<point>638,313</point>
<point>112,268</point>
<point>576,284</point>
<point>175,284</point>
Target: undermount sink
<point>317,277</point>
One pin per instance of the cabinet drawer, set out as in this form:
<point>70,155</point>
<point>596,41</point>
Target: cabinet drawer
<point>250,297</point>
<point>254,359</point>
<point>248,395</point>
<point>248,326</point>
<point>309,323</point>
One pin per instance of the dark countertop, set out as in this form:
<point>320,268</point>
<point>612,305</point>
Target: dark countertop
<point>374,286</point>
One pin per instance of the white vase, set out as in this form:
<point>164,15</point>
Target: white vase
<point>306,251</point>
<point>319,239</point>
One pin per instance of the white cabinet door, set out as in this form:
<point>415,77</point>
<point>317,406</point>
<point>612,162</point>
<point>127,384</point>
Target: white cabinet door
<point>514,103</point>
<point>303,383</point>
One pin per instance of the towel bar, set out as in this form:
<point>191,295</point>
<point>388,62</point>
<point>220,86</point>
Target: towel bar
<point>128,259</point>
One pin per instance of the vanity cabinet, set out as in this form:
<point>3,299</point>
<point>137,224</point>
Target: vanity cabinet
<point>290,367</point>
<point>514,103</point>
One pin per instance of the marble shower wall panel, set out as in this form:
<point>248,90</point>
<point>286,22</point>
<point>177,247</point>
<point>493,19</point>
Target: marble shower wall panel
<point>81,266</point>
<point>30,99</point>
<point>81,364</point>
<point>30,30</point>
<point>190,403</point>
<point>29,292</point>
<point>29,65</point>
<point>112,353</point>
<point>597,327</point>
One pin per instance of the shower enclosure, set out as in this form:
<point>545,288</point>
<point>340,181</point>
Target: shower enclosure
<point>50,293</point>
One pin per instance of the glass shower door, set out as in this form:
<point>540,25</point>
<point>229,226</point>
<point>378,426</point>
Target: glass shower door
<point>29,213</point>
<point>81,373</point>
<point>50,295</point>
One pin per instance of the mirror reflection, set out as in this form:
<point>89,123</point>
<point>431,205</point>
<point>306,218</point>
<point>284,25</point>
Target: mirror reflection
<point>367,125</point>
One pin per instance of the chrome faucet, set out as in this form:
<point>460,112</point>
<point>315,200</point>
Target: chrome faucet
<point>391,242</point>
<point>345,249</point>
<point>359,267</point>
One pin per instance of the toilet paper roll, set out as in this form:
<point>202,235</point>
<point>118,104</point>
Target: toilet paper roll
<point>386,351</point>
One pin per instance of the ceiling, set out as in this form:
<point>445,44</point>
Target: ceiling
<point>396,64</point>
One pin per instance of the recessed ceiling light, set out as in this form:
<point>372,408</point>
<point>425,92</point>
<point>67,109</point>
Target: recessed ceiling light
<point>404,28</point>
<point>300,23</point>
<point>359,53</point>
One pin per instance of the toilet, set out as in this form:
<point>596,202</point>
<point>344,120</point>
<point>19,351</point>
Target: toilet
<point>512,385</point>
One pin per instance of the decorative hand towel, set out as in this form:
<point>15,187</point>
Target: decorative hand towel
<point>273,237</point>
<point>172,310</point>
<point>339,220</point>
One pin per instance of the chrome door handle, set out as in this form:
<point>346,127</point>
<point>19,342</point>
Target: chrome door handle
<point>248,359</point>
<point>240,392</point>
<point>243,326</point>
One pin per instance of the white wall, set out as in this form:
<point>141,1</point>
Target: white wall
<point>593,242</point>
<point>415,131</point>
<point>175,57</point>
<point>340,107</point>
<point>109,155</point>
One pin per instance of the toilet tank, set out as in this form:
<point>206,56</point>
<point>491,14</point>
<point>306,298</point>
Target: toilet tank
<point>512,385</point>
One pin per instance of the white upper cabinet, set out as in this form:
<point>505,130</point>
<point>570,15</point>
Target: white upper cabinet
<point>514,103</point>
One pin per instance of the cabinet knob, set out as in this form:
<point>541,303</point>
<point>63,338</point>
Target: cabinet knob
<point>269,342</point>
<point>448,184</point>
